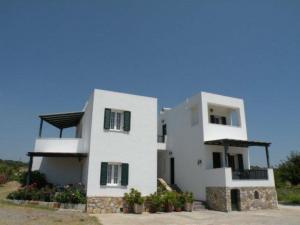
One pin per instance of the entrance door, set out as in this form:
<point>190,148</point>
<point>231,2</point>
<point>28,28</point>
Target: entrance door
<point>172,170</point>
<point>234,199</point>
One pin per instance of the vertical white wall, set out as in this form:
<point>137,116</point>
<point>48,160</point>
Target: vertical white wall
<point>138,148</point>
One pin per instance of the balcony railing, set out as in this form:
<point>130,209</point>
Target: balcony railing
<point>261,174</point>
<point>160,139</point>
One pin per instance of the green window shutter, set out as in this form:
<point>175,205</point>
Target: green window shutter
<point>127,116</point>
<point>107,119</point>
<point>103,173</point>
<point>124,174</point>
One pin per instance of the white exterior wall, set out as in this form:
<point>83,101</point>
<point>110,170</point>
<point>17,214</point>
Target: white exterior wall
<point>138,148</point>
<point>66,145</point>
<point>186,144</point>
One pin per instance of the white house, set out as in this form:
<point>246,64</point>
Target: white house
<point>207,153</point>
<point>115,148</point>
<point>201,146</point>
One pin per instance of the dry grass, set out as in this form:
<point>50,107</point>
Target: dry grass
<point>11,214</point>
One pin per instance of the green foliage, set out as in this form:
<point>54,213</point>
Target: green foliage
<point>154,202</point>
<point>70,195</point>
<point>37,178</point>
<point>49,194</point>
<point>169,198</point>
<point>188,197</point>
<point>180,200</point>
<point>31,192</point>
<point>289,194</point>
<point>134,196</point>
<point>9,170</point>
<point>289,170</point>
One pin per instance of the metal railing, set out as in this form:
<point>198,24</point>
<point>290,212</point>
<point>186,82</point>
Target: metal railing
<point>257,174</point>
<point>161,139</point>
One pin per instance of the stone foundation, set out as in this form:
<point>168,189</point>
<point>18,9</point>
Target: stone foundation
<point>249,198</point>
<point>104,204</point>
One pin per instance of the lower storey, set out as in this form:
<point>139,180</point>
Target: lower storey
<point>241,198</point>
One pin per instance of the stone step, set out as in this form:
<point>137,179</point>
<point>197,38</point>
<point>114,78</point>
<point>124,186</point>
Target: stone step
<point>198,205</point>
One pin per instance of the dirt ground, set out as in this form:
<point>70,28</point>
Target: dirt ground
<point>285,215</point>
<point>19,215</point>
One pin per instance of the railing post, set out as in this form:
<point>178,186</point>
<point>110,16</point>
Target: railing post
<point>60,132</point>
<point>41,128</point>
<point>226,154</point>
<point>267,155</point>
<point>28,180</point>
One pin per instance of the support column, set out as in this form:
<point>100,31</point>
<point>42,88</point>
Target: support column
<point>267,155</point>
<point>41,128</point>
<point>60,133</point>
<point>29,170</point>
<point>226,154</point>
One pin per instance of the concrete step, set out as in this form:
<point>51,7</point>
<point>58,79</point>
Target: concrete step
<point>198,206</point>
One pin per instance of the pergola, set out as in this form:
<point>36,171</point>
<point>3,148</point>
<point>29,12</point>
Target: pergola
<point>60,121</point>
<point>226,143</point>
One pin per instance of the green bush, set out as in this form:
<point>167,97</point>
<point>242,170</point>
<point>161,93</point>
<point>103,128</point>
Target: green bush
<point>188,197</point>
<point>49,194</point>
<point>70,195</point>
<point>134,196</point>
<point>37,178</point>
<point>154,202</point>
<point>168,200</point>
<point>289,194</point>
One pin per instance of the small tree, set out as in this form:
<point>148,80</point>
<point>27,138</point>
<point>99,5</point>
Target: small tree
<point>289,170</point>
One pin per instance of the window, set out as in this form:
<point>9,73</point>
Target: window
<point>113,174</point>
<point>218,119</point>
<point>217,160</point>
<point>194,116</point>
<point>116,119</point>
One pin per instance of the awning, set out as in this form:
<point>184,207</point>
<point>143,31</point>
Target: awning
<point>237,143</point>
<point>56,154</point>
<point>63,120</point>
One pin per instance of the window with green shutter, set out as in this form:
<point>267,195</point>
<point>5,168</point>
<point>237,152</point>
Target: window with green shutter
<point>125,173</point>
<point>107,113</point>
<point>127,121</point>
<point>103,173</point>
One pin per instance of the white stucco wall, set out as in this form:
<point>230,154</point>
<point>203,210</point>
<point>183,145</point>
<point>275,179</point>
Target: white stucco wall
<point>193,159</point>
<point>138,147</point>
<point>59,170</point>
<point>61,145</point>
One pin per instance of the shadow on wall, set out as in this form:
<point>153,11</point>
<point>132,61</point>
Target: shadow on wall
<point>62,171</point>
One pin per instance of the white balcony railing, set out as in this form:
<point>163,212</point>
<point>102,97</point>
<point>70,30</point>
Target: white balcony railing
<point>222,177</point>
<point>59,145</point>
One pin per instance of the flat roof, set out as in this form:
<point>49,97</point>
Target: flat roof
<point>237,143</point>
<point>57,154</point>
<point>63,120</point>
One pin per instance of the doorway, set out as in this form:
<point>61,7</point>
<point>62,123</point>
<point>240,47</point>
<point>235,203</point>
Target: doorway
<point>235,198</point>
<point>172,170</point>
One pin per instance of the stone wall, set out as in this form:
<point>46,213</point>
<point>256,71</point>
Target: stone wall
<point>104,204</point>
<point>219,198</point>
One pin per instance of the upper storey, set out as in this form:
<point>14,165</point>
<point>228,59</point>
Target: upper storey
<point>223,117</point>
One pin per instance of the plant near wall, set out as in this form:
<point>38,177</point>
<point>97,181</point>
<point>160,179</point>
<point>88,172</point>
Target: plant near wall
<point>169,199</point>
<point>179,203</point>
<point>37,178</point>
<point>188,201</point>
<point>133,201</point>
<point>154,202</point>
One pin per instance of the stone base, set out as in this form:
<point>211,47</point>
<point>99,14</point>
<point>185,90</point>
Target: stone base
<point>249,198</point>
<point>104,204</point>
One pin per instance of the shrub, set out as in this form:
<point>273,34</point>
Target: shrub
<point>71,195</point>
<point>188,197</point>
<point>180,200</point>
<point>37,178</point>
<point>154,202</point>
<point>134,196</point>
<point>3,179</point>
<point>169,200</point>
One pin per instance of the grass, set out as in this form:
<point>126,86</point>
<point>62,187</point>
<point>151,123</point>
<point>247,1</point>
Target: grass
<point>11,214</point>
<point>290,195</point>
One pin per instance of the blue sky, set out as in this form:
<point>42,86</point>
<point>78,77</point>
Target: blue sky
<point>53,53</point>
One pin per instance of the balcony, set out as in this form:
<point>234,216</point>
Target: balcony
<point>59,145</point>
<point>261,174</point>
<point>161,142</point>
